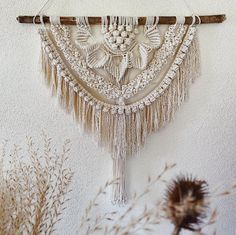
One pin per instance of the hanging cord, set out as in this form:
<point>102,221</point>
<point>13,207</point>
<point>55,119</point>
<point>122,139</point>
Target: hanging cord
<point>194,16</point>
<point>41,11</point>
<point>189,7</point>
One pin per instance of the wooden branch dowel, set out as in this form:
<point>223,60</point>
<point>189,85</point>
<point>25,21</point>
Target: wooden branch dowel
<point>207,19</point>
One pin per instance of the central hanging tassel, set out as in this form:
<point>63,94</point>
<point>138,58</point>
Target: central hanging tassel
<point>119,196</point>
<point>119,160</point>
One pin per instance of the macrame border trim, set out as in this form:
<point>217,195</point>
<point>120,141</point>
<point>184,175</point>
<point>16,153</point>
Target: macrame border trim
<point>55,65</point>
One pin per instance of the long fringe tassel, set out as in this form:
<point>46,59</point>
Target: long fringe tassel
<point>119,192</point>
<point>119,160</point>
<point>123,134</point>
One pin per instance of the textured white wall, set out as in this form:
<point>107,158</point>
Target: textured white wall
<point>201,140</point>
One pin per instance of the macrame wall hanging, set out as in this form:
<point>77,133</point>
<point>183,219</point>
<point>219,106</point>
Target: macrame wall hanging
<point>125,84</point>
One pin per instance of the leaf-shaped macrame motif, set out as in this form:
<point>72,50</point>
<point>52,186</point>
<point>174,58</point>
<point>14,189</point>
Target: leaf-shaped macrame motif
<point>117,66</point>
<point>152,32</point>
<point>95,57</point>
<point>141,61</point>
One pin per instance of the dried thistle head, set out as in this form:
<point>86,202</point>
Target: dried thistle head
<point>186,202</point>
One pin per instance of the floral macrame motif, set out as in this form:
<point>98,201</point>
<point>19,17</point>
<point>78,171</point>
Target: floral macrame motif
<point>120,49</point>
<point>95,80</point>
<point>120,33</point>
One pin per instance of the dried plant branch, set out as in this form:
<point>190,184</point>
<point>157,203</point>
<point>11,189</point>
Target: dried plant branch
<point>33,190</point>
<point>121,223</point>
<point>33,196</point>
<point>129,222</point>
<point>87,218</point>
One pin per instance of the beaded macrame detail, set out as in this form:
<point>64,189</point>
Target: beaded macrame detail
<point>121,88</point>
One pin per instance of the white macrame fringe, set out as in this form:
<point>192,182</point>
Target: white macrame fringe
<point>123,134</point>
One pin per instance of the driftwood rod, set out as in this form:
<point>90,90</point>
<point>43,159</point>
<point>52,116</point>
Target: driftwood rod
<point>69,20</point>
